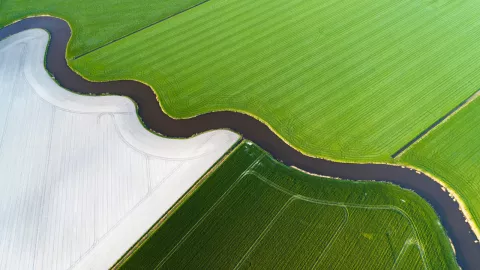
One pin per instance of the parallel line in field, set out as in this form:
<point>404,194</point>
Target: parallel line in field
<point>353,205</point>
<point>210,210</point>
<point>44,188</point>
<point>265,38</point>
<point>390,65</point>
<point>176,49</point>
<point>405,246</point>
<point>10,103</point>
<point>345,206</point>
<point>264,232</point>
<point>276,70</point>
<point>392,61</point>
<point>208,37</point>
<point>333,239</point>
<point>401,92</point>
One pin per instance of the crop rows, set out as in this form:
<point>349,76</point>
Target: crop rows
<point>257,213</point>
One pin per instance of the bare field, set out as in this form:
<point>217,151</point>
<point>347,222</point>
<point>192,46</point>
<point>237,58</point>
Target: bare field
<point>81,178</point>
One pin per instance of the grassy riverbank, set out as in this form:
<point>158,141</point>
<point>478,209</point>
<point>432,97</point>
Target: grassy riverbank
<point>451,153</point>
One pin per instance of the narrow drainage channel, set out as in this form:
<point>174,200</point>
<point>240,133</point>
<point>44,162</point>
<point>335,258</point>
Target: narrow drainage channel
<point>436,123</point>
<point>467,252</point>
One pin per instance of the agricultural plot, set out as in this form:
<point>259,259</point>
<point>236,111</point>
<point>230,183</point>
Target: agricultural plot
<point>81,178</point>
<point>95,23</point>
<point>352,81</point>
<point>451,153</point>
<point>254,212</point>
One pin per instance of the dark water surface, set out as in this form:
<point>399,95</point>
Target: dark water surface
<point>468,253</point>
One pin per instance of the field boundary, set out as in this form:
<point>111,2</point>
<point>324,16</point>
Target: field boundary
<point>138,30</point>
<point>408,243</point>
<point>440,121</point>
<point>209,211</point>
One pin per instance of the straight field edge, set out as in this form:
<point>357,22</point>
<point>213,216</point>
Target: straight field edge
<point>146,236</point>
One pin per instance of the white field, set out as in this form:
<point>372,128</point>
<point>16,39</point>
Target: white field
<point>80,178</point>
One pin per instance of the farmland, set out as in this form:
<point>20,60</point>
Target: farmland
<point>95,23</point>
<point>344,81</point>
<point>451,153</point>
<point>81,178</point>
<point>341,80</point>
<point>254,212</point>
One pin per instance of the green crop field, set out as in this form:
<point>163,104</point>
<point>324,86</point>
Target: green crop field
<point>451,152</point>
<point>95,23</point>
<point>352,81</point>
<point>254,212</point>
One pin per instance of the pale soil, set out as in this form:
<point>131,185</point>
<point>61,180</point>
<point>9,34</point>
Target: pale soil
<point>81,179</point>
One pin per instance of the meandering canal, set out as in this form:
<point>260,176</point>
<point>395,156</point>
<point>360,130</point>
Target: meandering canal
<point>468,252</point>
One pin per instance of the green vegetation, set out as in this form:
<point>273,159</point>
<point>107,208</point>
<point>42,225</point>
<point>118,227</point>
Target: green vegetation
<point>451,152</point>
<point>254,212</point>
<point>344,80</point>
<point>95,23</point>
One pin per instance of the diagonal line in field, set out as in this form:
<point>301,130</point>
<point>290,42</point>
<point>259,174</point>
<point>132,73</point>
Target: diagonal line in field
<point>438,122</point>
<point>138,30</point>
<point>210,210</point>
<point>421,254</point>
<point>405,246</point>
<point>264,232</point>
<point>354,205</point>
<point>333,239</point>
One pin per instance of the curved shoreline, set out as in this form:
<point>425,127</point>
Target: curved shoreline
<point>453,220</point>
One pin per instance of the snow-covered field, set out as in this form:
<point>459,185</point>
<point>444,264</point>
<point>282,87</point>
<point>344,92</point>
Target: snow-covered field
<point>80,178</point>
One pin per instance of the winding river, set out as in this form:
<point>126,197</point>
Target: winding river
<point>467,251</point>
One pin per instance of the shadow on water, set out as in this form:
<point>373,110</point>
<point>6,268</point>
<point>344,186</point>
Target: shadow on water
<point>467,252</point>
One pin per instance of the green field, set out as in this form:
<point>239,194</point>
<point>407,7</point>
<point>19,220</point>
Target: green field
<point>352,81</point>
<point>254,212</point>
<point>95,23</point>
<point>451,152</point>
